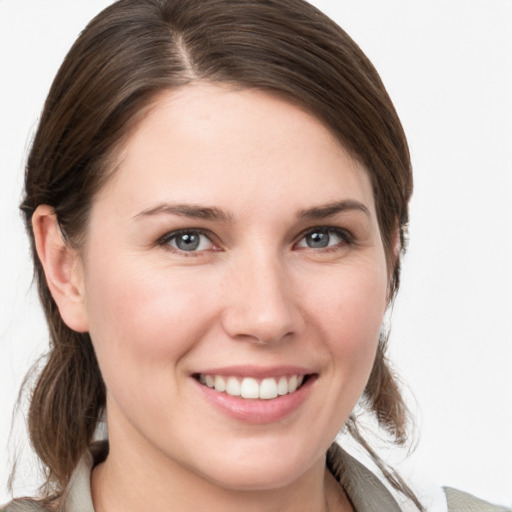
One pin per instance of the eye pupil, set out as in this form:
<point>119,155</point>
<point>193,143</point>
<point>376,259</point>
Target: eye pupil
<point>188,241</point>
<point>318,239</point>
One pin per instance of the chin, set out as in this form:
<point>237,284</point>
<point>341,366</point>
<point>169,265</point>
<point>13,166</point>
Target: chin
<point>257,478</point>
<point>257,470</point>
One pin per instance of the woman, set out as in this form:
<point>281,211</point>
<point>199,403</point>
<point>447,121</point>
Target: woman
<point>217,198</point>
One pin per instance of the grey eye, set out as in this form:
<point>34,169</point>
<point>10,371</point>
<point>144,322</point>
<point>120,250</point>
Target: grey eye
<point>188,241</point>
<point>322,238</point>
<point>317,239</point>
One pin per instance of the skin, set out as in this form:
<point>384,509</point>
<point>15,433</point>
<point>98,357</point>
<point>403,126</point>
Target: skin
<point>254,293</point>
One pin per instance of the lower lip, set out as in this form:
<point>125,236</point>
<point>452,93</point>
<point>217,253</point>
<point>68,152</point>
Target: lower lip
<point>257,411</point>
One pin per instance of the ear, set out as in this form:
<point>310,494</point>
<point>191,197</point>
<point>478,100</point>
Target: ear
<point>62,267</point>
<point>396,246</point>
<point>397,243</point>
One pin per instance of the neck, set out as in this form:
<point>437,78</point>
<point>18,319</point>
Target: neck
<point>127,482</point>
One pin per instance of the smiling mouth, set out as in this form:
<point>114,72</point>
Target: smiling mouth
<point>253,388</point>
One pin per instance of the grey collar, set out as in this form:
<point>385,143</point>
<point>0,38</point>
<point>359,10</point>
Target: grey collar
<point>366,492</point>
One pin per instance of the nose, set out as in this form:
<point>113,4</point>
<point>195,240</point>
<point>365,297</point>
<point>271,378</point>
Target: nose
<point>260,302</point>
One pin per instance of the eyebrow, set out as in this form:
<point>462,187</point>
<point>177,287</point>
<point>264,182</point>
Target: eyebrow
<point>212,213</point>
<point>321,212</point>
<point>190,211</point>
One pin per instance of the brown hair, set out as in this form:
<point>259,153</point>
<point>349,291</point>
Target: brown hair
<point>129,53</point>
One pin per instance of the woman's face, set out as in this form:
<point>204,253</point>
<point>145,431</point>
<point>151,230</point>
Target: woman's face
<point>236,246</point>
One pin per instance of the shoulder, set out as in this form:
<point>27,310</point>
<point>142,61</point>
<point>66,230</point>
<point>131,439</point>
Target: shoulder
<point>77,495</point>
<point>459,501</point>
<point>370,492</point>
<point>24,505</point>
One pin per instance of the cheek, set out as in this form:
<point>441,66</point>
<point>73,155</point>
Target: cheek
<point>352,301</point>
<point>142,319</point>
<point>348,310</point>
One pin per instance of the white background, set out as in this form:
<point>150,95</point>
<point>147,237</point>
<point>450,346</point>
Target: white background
<point>447,65</point>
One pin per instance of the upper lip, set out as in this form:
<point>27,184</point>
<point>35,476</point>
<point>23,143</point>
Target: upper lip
<point>259,372</point>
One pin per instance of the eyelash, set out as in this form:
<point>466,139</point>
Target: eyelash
<point>165,241</point>
<point>345,236</point>
<point>347,239</point>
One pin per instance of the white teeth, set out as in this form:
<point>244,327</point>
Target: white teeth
<point>268,389</point>
<point>292,384</point>
<point>282,386</point>
<point>233,386</point>
<point>249,387</point>
<point>220,383</point>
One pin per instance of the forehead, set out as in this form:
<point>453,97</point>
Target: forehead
<point>205,143</point>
